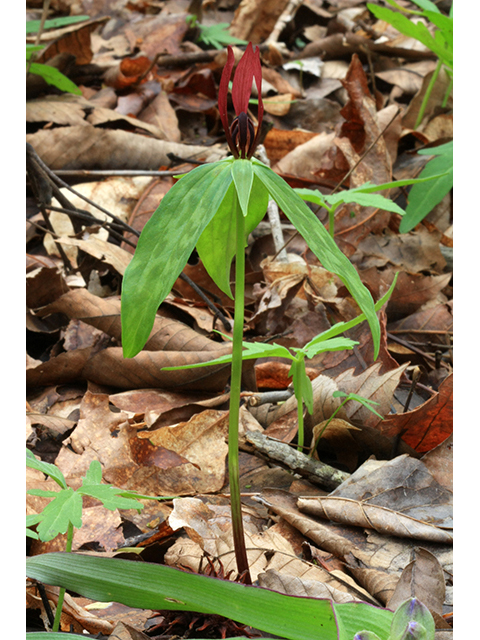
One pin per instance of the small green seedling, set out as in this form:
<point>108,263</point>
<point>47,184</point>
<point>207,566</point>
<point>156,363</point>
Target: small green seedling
<point>302,385</point>
<point>365,195</point>
<point>50,74</point>
<point>64,512</point>
<point>422,198</point>
<point>215,35</point>
<point>347,397</point>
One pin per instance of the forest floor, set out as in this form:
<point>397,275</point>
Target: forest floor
<point>342,93</point>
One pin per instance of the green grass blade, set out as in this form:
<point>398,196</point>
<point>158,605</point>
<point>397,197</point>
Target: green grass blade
<point>152,586</point>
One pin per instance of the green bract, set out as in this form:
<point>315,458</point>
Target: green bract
<point>199,210</point>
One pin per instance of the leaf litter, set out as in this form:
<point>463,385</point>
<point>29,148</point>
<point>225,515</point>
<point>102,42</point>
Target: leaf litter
<point>383,530</point>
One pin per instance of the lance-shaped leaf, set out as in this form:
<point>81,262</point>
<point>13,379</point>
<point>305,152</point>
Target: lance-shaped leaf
<point>153,586</point>
<point>217,244</point>
<point>320,242</point>
<point>165,245</point>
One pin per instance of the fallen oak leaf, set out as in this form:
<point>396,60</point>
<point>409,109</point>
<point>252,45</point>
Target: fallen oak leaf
<point>104,314</point>
<point>428,425</point>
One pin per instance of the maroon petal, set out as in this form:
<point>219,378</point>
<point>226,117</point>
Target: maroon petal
<point>247,69</point>
<point>223,90</point>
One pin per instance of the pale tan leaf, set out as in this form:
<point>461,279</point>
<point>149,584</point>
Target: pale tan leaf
<point>422,578</point>
<point>370,385</point>
<point>84,147</point>
<point>104,251</point>
<point>382,519</point>
<point>295,586</point>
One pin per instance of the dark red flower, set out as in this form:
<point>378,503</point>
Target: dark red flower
<point>241,136</point>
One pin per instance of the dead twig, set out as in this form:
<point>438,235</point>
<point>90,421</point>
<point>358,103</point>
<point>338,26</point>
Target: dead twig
<point>314,470</point>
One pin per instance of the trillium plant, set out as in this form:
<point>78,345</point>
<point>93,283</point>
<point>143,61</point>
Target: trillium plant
<point>214,207</point>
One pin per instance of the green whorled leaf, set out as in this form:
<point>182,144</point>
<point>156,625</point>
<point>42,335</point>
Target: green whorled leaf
<point>374,200</point>
<point>242,174</point>
<point>64,509</point>
<point>217,244</point>
<point>423,197</point>
<point>364,195</point>
<point>165,245</point>
<point>320,242</point>
<point>151,586</point>
<point>46,468</point>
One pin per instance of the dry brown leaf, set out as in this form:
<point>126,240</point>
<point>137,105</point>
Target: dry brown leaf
<point>429,424</point>
<point>87,147</point>
<point>66,109</point>
<point>74,617</point>
<point>161,114</point>
<point>411,292</point>
<point>372,386</point>
<point>254,21</point>
<point>278,143</point>
<point>413,252</point>
<point>422,578</point>
<point>379,583</point>
<point>61,369</point>
<point>304,160</point>
<point>436,319</point>
<point>109,367</point>
<point>209,530</point>
<point>382,519</point>
<point>162,408</point>
<point>104,251</point>
<point>295,586</point>
<point>124,631</point>
<point>398,497</point>
<point>202,440</point>
<point>104,314</point>
<point>439,462</point>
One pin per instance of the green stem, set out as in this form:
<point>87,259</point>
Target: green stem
<point>331,221</point>
<point>61,594</point>
<point>426,97</point>
<point>326,425</point>
<point>300,423</point>
<point>235,387</point>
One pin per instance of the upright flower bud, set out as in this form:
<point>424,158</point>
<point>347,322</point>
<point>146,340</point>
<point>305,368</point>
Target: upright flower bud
<point>241,136</point>
<point>412,621</point>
